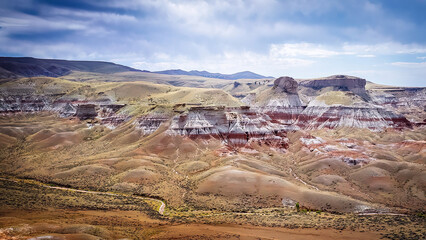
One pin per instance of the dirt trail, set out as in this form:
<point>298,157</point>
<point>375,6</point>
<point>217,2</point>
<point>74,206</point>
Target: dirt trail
<point>160,210</point>
<point>162,207</point>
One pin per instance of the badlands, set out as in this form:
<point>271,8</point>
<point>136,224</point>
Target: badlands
<point>96,150</point>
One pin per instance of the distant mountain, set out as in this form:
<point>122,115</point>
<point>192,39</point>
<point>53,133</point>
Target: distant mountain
<point>14,67</point>
<point>235,76</point>
<point>31,67</point>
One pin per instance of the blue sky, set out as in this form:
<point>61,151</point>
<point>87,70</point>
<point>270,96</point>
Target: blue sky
<point>382,41</point>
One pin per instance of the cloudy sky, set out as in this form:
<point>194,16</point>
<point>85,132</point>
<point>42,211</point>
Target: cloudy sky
<point>382,41</point>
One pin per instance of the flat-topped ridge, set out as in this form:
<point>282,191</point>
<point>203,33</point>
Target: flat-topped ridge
<point>342,82</point>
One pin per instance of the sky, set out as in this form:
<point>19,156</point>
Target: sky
<point>381,41</point>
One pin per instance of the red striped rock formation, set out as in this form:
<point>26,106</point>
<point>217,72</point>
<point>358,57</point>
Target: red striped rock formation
<point>332,109</point>
<point>281,103</point>
<point>22,103</point>
<point>234,126</point>
<point>151,122</point>
<point>344,109</point>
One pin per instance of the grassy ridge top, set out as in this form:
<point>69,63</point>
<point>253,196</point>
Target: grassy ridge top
<point>136,92</point>
<point>33,67</point>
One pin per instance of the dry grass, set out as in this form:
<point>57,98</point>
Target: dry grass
<point>339,98</point>
<point>35,211</point>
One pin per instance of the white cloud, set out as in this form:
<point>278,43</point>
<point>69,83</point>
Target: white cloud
<point>311,50</point>
<point>366,56</point>
<point>162,56</point>
<point>410,64</point>
<point>387,48</point>
<point>90,15</point>
<point>303,50</point>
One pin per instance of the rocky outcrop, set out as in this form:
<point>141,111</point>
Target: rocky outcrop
<point>109,116</point>
<point>348,107</point>
<point>151,122</point>
<point>105,111</point>
<point>86,111</point>
<point>22,103</point>
<point>67,110</point>
<point>287,84</point>
<point>281,103</point>
<point>369,117</point>
<point>411,102</point>
<point>108,112</point>
<point>338,82</point>
<point>236,127</point>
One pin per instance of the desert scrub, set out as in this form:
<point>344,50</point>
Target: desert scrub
<point>25,195</point>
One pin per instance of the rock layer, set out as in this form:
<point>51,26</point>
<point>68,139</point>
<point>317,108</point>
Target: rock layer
<point>151,122</point>
<point>236,127</point>
<point>373,118</point>
<point>340,82</point>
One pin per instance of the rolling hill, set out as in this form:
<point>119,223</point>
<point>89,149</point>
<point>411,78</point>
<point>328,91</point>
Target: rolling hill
<point>12,67</point>
<point>234,76</point>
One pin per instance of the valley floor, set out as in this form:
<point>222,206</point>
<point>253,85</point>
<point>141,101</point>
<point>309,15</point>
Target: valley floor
<point>29,209</point>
